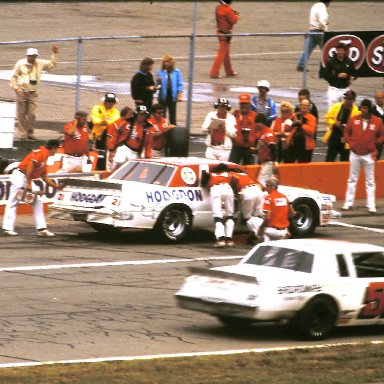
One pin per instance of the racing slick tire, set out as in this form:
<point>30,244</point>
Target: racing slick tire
<point>235,322</point>
<point>178,142</point>
<point>174,224</point>
<point>306,219</point>
<point>316,320</point>
<point>105,228</point>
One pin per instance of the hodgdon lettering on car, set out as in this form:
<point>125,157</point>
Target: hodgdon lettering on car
<point>166,195</point>
<point>313,285</point>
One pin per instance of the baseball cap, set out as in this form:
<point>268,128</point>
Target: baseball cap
<point>263,83</point>
<point>350,94</point>
<point>32,52</point>
<point>244,98</point>
<point>111,97</point>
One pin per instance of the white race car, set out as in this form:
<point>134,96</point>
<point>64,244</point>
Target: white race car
<point>166,195</point>
<point>313,284</point>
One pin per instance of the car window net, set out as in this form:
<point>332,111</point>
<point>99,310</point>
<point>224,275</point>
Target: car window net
<point>369,264</point>
<point>285,258</point>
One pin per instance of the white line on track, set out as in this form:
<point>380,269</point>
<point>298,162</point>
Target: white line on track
<point>338,224</point>
<point>176,355</point>
<point>115,263</point>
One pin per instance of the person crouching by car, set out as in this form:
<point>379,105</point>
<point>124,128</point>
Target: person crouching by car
<point>135,141</point>
<point>301,137</point>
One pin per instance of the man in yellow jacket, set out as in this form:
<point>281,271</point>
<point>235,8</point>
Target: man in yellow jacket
<point>336,119</point>
<point>102,115</point>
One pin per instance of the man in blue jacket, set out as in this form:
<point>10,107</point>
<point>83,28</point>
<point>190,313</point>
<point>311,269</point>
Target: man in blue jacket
<point>263,103</point>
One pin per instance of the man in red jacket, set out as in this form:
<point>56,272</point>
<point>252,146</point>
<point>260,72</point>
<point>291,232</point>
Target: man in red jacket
<point>226,18</point>
<point>364,133</point>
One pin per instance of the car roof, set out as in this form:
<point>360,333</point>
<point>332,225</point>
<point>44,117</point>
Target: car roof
<point>185,161</point>
<point>318,245</point>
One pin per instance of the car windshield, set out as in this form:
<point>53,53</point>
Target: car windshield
<point>279,257</point>
<point>148,173</point>
<point>369,264</point>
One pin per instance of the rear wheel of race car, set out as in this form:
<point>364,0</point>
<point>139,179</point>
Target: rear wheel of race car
<point>174,224</point>
<point>306,218</point>
<point>235,322</point>
<point>317,319</point>
<point>105,228</point>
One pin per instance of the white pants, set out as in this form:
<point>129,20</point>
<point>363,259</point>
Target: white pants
<point>218,152</point>
<point>335,95</point>
<point>254,224</point>
<point>356,161</point>
<point>123,154</point>
<point>18,180</point>
<point>265,173</point>
<point>222,194</point>
<point>251,201</point>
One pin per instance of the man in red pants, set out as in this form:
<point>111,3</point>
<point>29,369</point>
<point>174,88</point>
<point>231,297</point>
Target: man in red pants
<point>226,17</point>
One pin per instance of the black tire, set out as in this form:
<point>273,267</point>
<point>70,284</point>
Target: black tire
<point>174,224</point>
<point>316,320</point>
<point>178,142</point>
<point>306,219</point>
<point>105,228</point>
<point>238,323</point>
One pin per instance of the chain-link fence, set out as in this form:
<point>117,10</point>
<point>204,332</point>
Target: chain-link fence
<point>90,66</point>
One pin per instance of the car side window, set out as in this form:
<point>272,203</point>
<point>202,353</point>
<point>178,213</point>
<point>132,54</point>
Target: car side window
<point>343,268</point>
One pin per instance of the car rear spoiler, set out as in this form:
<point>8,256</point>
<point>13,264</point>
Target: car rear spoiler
<point>222,275</point>
<point>83,183</point>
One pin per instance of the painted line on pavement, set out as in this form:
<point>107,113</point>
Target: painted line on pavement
<point>115,263</point>
<point>190,354</point>
<point>377,230</point>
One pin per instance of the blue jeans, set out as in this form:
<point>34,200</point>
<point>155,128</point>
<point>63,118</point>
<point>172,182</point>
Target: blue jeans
<point>311,41</point>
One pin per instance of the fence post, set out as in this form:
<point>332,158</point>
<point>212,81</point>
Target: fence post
<point>78,71</point>
<point>305,60</point>
<point>191,69</point>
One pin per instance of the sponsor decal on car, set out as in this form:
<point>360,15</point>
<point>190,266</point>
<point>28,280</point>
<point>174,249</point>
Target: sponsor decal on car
<point>291,289</point>
<point>177,194</point>
<point>87,197</point>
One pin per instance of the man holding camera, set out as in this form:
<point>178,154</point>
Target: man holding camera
<point>336,118</point>
<point>241,152</point>
<point>25,81</point>
<point>301,137</point>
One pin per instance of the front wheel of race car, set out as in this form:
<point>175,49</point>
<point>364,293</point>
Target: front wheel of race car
<point>306,218</point>
<point>174,224</point>
<point>317,319</point>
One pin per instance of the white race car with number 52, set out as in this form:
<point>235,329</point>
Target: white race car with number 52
<point>312,284</point>
<point>166,195</point>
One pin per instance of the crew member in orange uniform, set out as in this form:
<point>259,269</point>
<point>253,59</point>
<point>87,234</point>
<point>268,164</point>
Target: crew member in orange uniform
<point>135,141</point>
<point>226,18</point>
<point>32,167</point>
<point>75,143</point>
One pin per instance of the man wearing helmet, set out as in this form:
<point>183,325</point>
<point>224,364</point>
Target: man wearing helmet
<point>220,127</point>
<point>135,141</point>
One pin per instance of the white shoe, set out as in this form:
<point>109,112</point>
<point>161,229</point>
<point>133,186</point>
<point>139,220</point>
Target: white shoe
<point>9,233</point>
<point>346,207</point>
<point>220,244</point>
<point>372,210</point>
<point>45,233</point>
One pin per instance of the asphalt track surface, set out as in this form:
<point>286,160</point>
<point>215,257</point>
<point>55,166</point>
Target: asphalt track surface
<point>82,295</point>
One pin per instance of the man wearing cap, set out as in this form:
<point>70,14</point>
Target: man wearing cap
<point>339,72</point>
<point>263,103</point>
<point>220,128</point>
<point>336,119</point>
<point>75,144</point>
<point>102,115</point>
<point>32,167</point>
<point>25,81</point>
<point>278,212</point>
<point>226,18</point>
<point>364,133</point>
<point>241,152</point>
<point>318,23</point>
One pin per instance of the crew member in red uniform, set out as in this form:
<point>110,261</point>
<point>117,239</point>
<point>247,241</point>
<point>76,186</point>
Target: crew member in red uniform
<point>219,183</point>
<point>241,152</point>
<point>220,127</point>
<point>75,144</point>
<point>226,18</point>
<point>250,194</point>
<point>135,141</point>
<point>32,167</point>
<point>266,149</point>
<point>160,128</point>
<point>278,212</point>
<point>364,133</point>
<point>114,131</point>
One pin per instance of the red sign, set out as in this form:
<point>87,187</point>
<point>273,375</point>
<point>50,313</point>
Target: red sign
<point>375,54</point>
